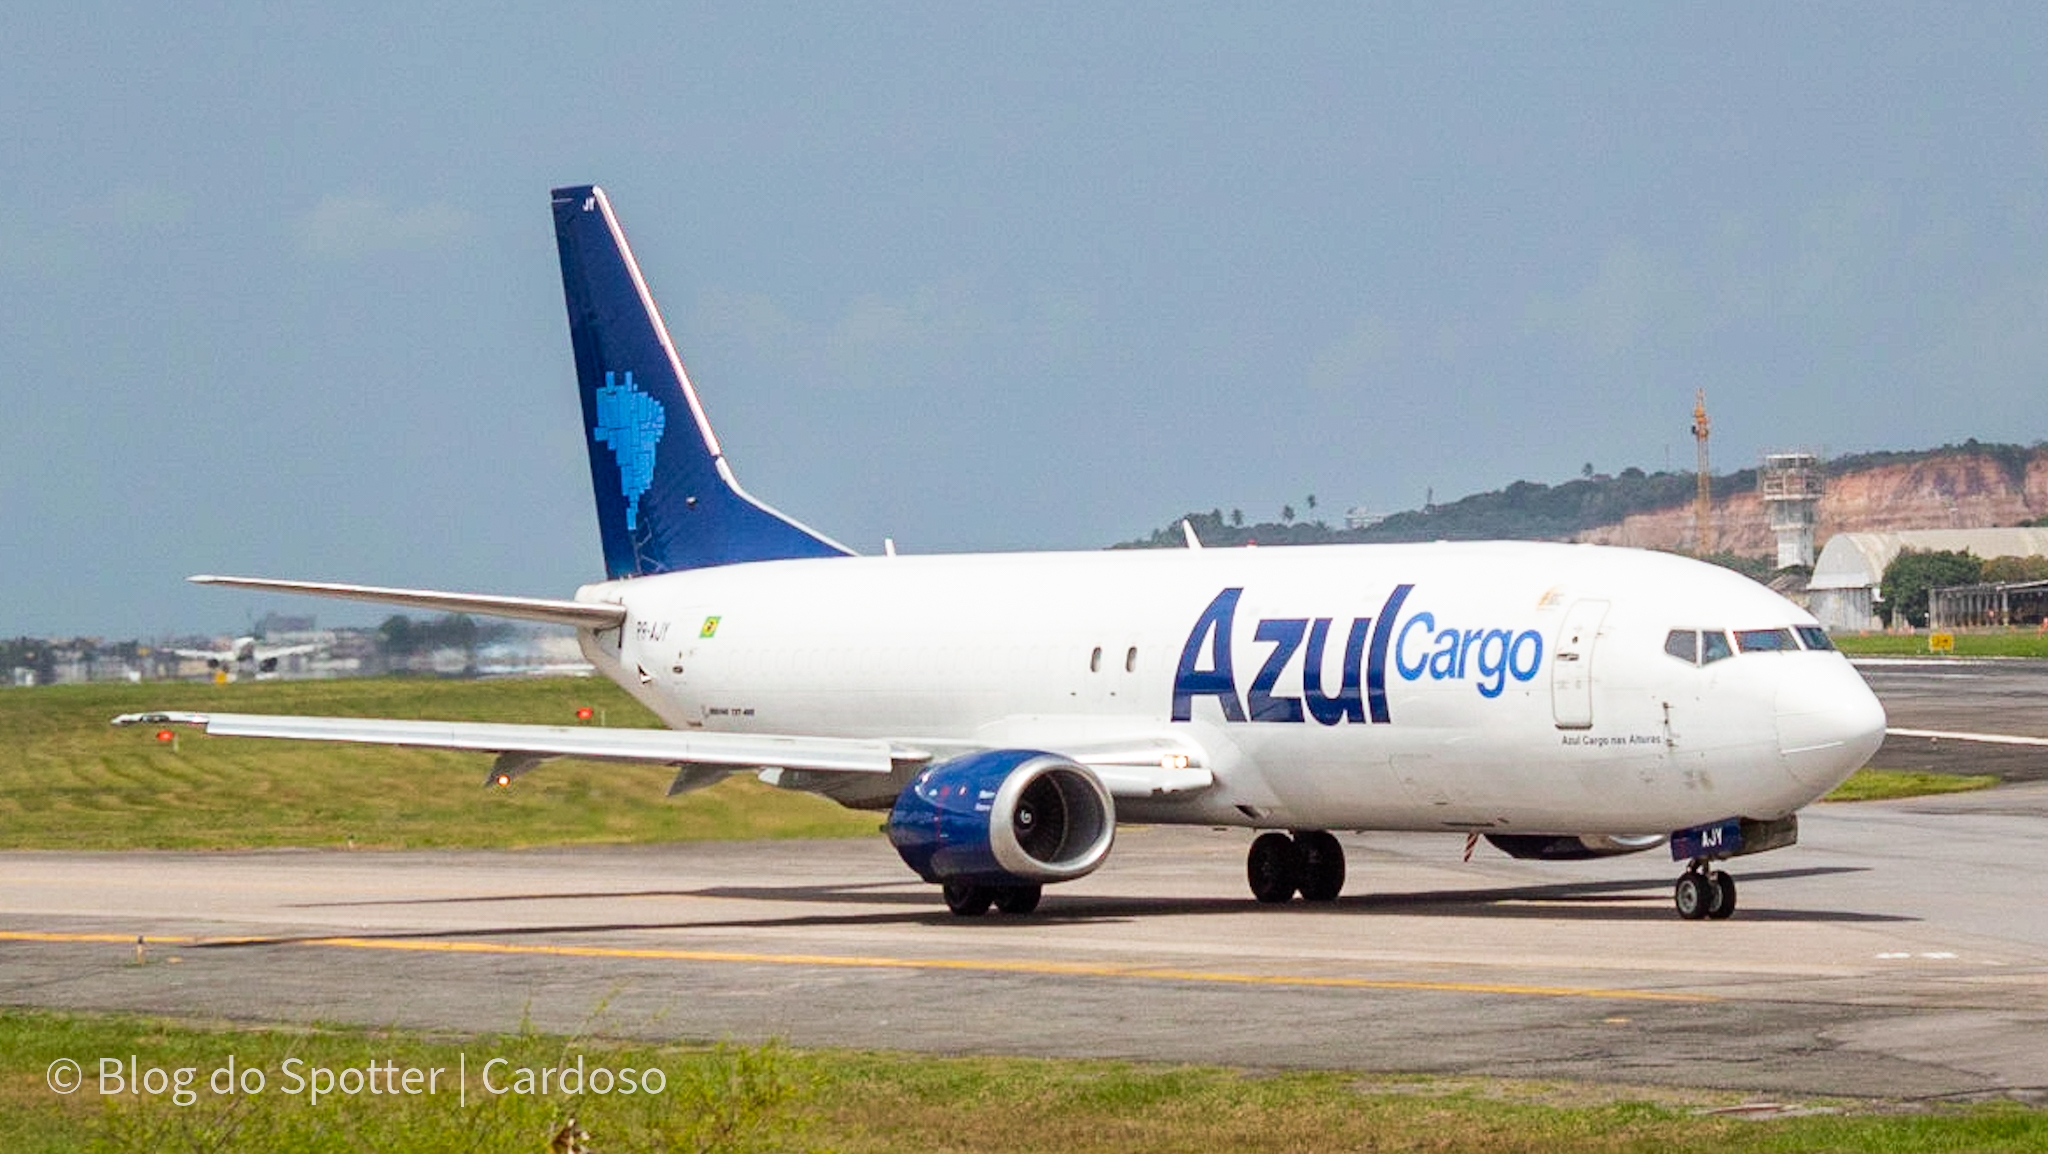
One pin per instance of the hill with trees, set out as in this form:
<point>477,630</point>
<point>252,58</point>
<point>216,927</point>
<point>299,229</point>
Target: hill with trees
<point>1945,487</point>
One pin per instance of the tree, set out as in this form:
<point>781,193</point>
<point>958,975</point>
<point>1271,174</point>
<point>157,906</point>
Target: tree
<point>397,633</point>
<point>1913,572</point>
<point>1237,518</point>
<point>2033,568</point>
<point>1287,514</point>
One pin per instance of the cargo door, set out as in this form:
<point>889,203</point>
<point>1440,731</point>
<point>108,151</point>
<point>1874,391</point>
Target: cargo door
<point>1571,670</point>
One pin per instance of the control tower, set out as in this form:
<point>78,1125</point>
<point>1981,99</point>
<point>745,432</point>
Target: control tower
<point>1791,485</point>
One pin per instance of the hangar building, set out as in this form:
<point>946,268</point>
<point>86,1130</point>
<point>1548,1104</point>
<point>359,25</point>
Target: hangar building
<point>1844,591</point>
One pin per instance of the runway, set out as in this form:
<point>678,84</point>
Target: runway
<point>1896,951</point>
<point>1977,696</point>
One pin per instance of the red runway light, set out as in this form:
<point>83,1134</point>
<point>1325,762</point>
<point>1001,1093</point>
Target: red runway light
<point>585,713</point>
<point>166,735</point>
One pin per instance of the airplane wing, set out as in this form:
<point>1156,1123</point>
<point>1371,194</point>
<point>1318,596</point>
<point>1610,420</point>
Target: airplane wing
<point>1131,768</point>
<point>529,744</point>
<point>1145,767</point>
<point>272,653</point>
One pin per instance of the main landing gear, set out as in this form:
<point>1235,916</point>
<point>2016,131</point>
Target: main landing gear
<point>1704,892</point>
<point>972,901</point>
<point>1310,862</point>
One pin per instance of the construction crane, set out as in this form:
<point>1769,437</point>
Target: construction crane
<point>1703,503</point>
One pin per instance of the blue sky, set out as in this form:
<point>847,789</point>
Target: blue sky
<point>281,294</point>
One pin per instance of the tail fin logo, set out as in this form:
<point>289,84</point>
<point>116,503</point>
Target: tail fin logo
<point>630,423</point>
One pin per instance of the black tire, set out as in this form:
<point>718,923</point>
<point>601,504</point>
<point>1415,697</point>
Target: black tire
<point>1273,868</point>
<point>967,900</point>
<point>1693,896</point>
<point>1017,899</point>
<point>1723,905</point>
<point>1320,858</point>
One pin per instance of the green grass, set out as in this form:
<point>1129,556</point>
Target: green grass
<point>2028,644</point>
<point>1888,784</point>
<point>68,780</point>
<point>775,1098</point>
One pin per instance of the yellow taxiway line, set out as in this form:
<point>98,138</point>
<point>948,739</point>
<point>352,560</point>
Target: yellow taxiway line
<point>859,961</point>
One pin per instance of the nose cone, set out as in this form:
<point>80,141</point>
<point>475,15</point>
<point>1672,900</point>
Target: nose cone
<point>1829,723</point>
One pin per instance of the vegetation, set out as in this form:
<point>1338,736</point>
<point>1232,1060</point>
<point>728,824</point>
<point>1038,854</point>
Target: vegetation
<point>403,636</point>
<point>1890,784</point>
<point>735,1098</point>
<point>1529,510</point>
<point>1915,572</point>
<point>71,781</point>
<point>2009,569</point>
<point>2000,644</point>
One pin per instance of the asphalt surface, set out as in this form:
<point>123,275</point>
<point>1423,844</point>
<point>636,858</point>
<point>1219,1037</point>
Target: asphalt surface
<point>1897,951</point>
<point>1975,696</point>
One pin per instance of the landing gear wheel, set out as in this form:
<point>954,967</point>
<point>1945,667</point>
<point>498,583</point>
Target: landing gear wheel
<point>1017,899</point>
<point>1694,895</point>
<point>1273,868</point>
<point>1321,860</point>
<point>1723,905</point>
<point>968,901</point>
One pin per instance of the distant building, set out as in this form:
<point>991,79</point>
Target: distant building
<point>271,624</point>
<point>1359,517</point>
<point>1844,591</point>
<point>1791,485</point>
<point>1996,604</point>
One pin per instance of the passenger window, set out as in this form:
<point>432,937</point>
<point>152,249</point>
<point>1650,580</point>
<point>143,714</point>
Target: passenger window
<point>1764,640</point>
<point>1815,637</point>
<point>1131,660</point>
<point>1683,644</point>
<point>1714,647</point>
<point>1095,660</point>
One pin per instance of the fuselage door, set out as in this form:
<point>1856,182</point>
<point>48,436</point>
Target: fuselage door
<point>1571,671</point>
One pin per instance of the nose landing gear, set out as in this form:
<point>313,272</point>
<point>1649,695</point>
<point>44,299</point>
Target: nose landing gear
<point>1704,893</point>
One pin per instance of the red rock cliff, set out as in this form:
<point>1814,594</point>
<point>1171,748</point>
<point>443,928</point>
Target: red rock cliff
<point>1953,491</point>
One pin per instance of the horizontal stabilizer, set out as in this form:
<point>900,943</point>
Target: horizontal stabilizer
<point>662,746</point>
<point>582,614</point>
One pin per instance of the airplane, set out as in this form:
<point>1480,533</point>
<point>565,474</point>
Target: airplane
<point>1562,701</point>
<point>245,653</point>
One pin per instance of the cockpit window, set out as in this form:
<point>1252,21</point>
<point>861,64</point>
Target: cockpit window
<point>1814,636</point>
<point>1765,640</point>
<point>1714,647</point>
<point>1683,644</point>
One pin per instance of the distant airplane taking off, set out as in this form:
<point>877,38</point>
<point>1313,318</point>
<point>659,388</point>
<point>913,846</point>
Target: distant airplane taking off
<point>1562,701</point>
<point>245,655</point>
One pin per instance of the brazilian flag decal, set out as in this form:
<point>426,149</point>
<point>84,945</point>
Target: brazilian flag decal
<point>710,628</point>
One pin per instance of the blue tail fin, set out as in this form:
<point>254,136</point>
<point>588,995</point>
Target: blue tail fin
<point>666,498</point>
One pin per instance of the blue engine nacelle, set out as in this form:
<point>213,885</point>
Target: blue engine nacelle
<point>1004,817</point>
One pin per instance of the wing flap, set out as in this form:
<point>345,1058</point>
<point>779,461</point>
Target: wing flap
<point>661,746</point>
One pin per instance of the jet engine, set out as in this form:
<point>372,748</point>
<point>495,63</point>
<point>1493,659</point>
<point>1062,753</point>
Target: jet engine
<point>1004,817</point>
<point>1581,847</point>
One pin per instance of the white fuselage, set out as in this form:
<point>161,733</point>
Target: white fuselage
<point>1515,687</point>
